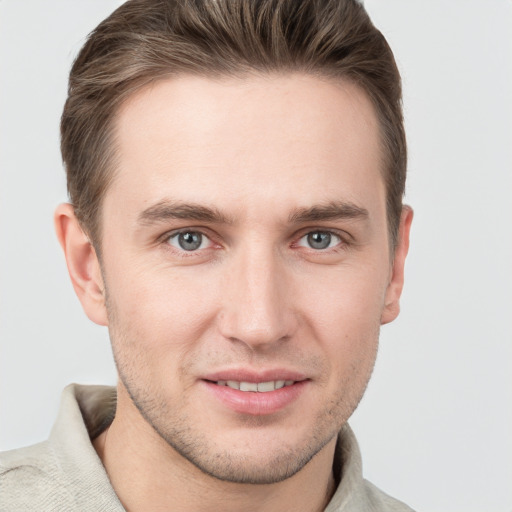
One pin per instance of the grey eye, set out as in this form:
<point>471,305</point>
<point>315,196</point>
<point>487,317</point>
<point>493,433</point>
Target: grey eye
<point>189,240</point>
<point>319,240</point>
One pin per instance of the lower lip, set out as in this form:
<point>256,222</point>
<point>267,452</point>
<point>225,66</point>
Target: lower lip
<point>255,403</point>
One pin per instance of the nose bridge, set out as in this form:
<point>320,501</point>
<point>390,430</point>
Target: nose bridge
<point>256,310</point>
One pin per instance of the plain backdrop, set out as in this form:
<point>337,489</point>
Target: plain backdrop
<point>435,425</point>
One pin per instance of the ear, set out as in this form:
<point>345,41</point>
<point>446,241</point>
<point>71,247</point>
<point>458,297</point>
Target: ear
<point>396,283</point>
<point>83,265</point>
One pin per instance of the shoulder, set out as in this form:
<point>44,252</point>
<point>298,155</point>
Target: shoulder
<point>366,496</point>
<point>380,501</point>
<point>64,472</point>
<point>29,480</point>
<point>355,493</point>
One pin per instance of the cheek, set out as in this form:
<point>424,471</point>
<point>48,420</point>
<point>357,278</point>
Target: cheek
<point>158,320</point>
<point>343,312</point>
<point>159,308</point>
<point>344,301</point>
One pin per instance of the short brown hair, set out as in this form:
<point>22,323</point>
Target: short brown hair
<point>147,40</point>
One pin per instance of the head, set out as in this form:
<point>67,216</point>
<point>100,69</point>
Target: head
<point>236,171</point>
<point>145,41</point>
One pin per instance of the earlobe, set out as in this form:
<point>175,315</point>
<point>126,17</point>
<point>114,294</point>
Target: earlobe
<point>82,262</point>
<point>396,284</point>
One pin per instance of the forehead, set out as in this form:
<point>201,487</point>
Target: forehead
<point>291,140</point>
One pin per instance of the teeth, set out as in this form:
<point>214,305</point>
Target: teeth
<point>261,387</point>
<point>248,386</point>
<point>266,386</point>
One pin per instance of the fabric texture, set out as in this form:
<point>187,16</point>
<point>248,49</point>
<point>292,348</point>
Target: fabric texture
<point>64,473</point>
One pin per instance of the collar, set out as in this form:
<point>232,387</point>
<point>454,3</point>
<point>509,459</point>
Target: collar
<point>85,411</point>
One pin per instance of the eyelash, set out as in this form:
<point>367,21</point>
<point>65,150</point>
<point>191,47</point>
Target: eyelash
<point>183,253</point>
<point>342,244</point>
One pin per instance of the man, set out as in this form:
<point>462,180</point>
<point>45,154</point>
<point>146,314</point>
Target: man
<point>236,172</point>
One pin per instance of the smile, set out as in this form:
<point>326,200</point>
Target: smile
<point>256,387</point>
<point>256,396</point>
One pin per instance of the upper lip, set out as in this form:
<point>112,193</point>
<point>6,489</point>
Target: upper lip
<point>248,375</point>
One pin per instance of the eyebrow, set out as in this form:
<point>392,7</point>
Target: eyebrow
<point>167,210</point>
<point>334,210</point>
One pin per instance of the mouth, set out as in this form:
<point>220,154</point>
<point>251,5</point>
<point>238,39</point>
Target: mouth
<point>255,387</point>
<point>256,395</point>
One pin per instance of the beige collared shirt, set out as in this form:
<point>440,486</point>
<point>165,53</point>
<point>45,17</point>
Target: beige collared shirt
<point>64,473</point>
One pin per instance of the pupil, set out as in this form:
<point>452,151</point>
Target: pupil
<point>189,241</point>
<point>319,240</point>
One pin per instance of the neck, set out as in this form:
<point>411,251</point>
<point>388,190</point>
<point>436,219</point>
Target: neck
<point>148,474</point>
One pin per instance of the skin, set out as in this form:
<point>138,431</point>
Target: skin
<point>273,157</point>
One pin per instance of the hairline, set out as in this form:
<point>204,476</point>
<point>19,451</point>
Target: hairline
<point>111,161</point>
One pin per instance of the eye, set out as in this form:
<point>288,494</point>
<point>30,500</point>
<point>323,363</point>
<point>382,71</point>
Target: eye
<point>320,240</point>
<point>189,241</point>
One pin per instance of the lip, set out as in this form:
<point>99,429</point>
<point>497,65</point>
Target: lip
<point>256,403</point>
<point>245,375</point>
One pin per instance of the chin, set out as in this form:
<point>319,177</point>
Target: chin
<point>249,466</point>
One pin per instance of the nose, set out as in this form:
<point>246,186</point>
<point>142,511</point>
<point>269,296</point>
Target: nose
<point>257,307</point>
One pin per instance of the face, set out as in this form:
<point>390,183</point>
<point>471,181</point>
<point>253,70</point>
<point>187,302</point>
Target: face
<point>246,262</point>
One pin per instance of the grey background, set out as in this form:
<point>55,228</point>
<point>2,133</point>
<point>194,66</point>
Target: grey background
<point>435,424</point>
